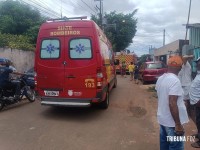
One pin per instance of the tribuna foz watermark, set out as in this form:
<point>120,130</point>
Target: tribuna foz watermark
<point>181,138</point>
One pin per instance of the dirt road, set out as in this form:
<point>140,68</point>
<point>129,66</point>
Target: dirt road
<point>128,124</point>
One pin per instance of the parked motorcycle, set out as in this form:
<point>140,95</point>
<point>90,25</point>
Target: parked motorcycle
<point>27,89</point>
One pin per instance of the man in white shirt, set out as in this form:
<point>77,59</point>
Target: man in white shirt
<point>185,76</point>
<point>172,113</point>
<point>194,94</point>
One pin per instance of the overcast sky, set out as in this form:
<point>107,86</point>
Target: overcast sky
<point>153,17</point>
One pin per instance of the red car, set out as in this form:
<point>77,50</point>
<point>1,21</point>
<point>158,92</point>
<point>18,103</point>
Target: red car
<point>150,71</point>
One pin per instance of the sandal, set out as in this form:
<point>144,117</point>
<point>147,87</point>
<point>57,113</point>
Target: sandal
<point>196,144</point>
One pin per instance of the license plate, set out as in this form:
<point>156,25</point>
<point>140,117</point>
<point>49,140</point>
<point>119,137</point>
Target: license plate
<point>51,93</point>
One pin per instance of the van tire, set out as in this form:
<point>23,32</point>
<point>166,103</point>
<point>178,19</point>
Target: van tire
<point>104,104</point>
<point>115,83</point>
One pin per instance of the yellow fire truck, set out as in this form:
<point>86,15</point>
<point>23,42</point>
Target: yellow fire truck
<point>121,57</point>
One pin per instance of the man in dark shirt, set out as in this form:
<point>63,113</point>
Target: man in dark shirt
<point>5,82</point>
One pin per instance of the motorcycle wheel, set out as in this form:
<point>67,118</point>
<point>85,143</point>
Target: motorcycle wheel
<point>1,105</point>
<point>30,94</point>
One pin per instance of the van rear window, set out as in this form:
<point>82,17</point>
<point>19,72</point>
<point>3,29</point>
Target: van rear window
<point>80,48</point>
<point>50,49</point>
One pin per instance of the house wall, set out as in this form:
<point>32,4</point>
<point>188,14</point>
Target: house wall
<point>22,60</point>
<point>194,36</point>
<point>165,50</point>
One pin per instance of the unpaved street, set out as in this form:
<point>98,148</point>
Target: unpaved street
<point>128,124</point>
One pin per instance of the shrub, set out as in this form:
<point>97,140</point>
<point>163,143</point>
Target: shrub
<point>16,42</point>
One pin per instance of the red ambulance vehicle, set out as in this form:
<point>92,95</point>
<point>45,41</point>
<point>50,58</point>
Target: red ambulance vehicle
<point>74,64</point>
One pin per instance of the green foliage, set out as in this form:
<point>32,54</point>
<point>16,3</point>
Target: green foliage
<point>16,18</point>
<point>20,21</point>
<point>16,42</point>
<point>143,58</point>
<point>120,28</point>
<point>32,33</point>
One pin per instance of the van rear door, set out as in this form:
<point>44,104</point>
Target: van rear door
<point>81,64</point>
<point>67,63</point>
<point>50,63</point>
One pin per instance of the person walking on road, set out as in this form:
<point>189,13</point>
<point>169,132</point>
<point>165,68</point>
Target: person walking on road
<point>136,74</point>
<point>172,113</point>
<point>131,68</point>
<point>123,69</point>
<point>194,94</point>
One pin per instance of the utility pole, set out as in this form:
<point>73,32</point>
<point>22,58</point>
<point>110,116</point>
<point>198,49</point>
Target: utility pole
<point>150,48</point>
<point>61,9</point>
<point>164,37</point>
<point>100,13</point>
<point>188,21</point>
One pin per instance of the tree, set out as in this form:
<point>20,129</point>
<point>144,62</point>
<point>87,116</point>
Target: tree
<point>144,58</point>
<point>120,28</point>
<point>19,19</point>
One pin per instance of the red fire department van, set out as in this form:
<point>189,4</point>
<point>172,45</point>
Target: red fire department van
<point>74,63</point>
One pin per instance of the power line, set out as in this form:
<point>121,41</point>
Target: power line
<point>148,36</point>
<point>43,10</point>
<point>52,5</point>
<point>40,7</point>
<point>101,12</point>
<point>88,6</point>
<point>188,20</point>
<point>46,8</point>
<point>62,7</point>
<point>75,4</point>
<point>168,34</point>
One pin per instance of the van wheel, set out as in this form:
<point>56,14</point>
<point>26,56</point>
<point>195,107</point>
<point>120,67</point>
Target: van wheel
<point>115,84</point>
<point>105,103</point>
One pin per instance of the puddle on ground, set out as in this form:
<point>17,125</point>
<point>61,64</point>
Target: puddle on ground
<point>137,112</point>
